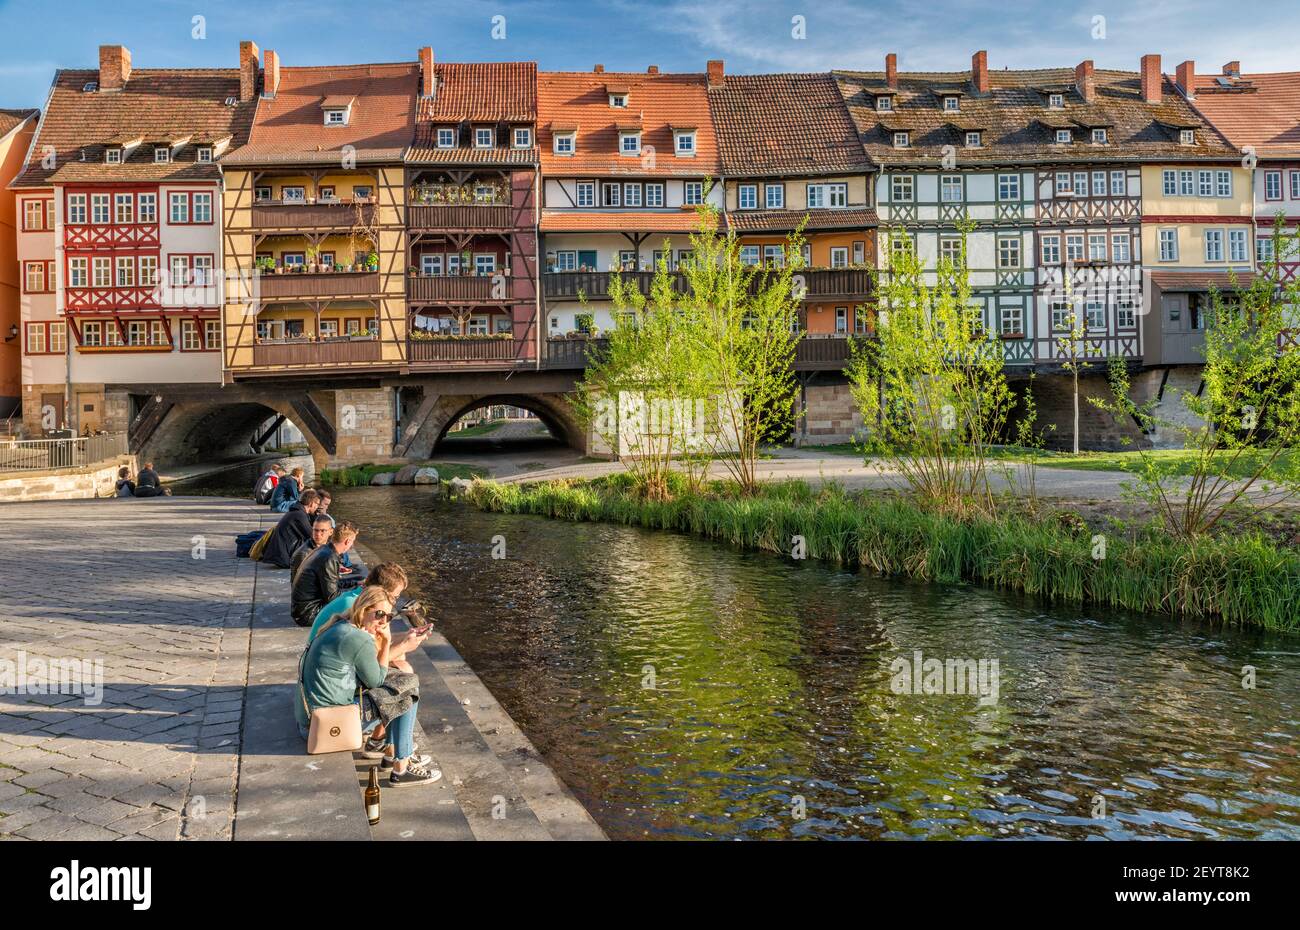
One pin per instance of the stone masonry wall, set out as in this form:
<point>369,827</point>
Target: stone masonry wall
<point>64,483</point>
<point>830,415</point>
<point>364,422</point>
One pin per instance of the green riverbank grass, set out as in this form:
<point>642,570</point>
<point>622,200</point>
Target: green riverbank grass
<point>1240,580</point>
<point>359,475</point>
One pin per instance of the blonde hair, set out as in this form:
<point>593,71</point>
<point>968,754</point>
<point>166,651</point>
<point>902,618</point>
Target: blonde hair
<point>369,599</point>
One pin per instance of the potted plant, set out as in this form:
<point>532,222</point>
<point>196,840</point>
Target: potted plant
<point>372,261</point>
<point>313,259</point>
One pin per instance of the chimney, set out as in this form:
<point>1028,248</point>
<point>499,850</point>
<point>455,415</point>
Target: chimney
<point>979,72</point>
<point>1083,81</point>
<point>1186,79</point>
<point>114,67</point>
<point>653,69</point>
<point>891,71</point>
<point>1232,69</point>
<point>599,69</point>
<point>716,73</point>
<point>248,53</point>
<point>428,86</point>
<point>1152,80</point>
<point>270,73</point>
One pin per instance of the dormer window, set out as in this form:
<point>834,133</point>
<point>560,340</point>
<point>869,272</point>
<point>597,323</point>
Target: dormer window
<point>446,137</point>
<point>902,140</point>
<point>1064,137</point>
<point>1187,136</point>
<point>113,156</point>
<point>629,143</point>
<point>484,137</point>
<point>204,155</point>
<point>565,143</point>
<point>973,139</point>
<point>1056,101</point>
<point>336,117</point>
<point>684,143</point>
<point>885,104</point>
<point>618,101</point>
<point>1099,136</point>
<point>523,137</point>
<point>952,104</point>
<point>162,156</point>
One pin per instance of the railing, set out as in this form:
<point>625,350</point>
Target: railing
<point>459,216</point>
<point>462,349</point>
<point>340,351</point>
<point>41,454</point>
<point>294,215</point>
<point>451,287</point>
<point>319,284</point>
<point>572,353</point>
<point>817,282</point>
<point>824,351</point>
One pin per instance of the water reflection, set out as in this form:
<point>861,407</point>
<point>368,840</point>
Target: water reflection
<point>684,689</point>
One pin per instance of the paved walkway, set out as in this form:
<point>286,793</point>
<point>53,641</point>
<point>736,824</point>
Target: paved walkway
<point>192,731</point>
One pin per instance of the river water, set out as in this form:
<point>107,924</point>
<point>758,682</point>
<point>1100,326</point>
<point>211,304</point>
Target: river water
<point>685,689</point>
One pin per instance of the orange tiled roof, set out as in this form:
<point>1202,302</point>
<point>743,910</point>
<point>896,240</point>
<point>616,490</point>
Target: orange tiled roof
<point>157,104</point>
<point>580,101</point>
<point>772,124</point>
<point>11,119</point>
<point>683,221</point>
<point>289,127</point>
<point>1259,110</point>
<point>490,92</point>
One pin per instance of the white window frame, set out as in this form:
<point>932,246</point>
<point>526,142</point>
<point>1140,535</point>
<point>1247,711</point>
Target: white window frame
<point>1009,253</point>
<point>902,188</point>
<point>162,156</point>
<point>1121,248</point>
<point>446,137</point>
<point>1238,245</point>
<point>485,137</point>
<point>693,193</point>
<point>523,137</point>
<point>973,138</point>
<point>632,150</point>
<point>1119,183</point>
<point>1214,247</point>
<point>584,193</point>
<point>654,194</point>
<point>774,196</point>
<point>564,143</point>
<point>1064,137</point>
<point>684,144</point>
<point>902,140</point>
<point>1168,242</point>
<point>1099,136</point>
<point>950,185</point>
<point>747,197</point>
<point>1008,188</point>
<point>1050,249</point>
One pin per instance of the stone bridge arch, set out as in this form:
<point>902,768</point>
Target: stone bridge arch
<point>428,424</point>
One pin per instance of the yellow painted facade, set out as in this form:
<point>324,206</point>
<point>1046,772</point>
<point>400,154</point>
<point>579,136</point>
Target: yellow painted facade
<point>1187,217</point>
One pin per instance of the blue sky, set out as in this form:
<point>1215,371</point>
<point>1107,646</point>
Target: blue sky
<point>751,35</point>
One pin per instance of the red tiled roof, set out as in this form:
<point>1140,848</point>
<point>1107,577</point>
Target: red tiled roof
<point>289,127</point>
<point>770,124</point>
<point>1018,126</point>
<point>156,104</point>
<point>788,220</point>
<point>11,119</point>
<point>490,92</point>
<point>683,221</point>
<point>1259,110</point>
<point>580,100</point>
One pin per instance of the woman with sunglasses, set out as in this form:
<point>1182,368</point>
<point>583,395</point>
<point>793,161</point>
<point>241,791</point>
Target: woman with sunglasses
<point>351,650</point>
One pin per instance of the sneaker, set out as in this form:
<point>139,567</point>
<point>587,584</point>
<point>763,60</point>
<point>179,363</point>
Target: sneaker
<point>373,749</point>
<point>414,775</point>
<point>416,759</point>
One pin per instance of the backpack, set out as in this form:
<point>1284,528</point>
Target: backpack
<point>265,487</point>
<point>244,543</point>
<point>259,547</point>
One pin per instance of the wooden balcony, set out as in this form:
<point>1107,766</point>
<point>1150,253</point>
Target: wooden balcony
<point>818,283</point>
<point>571,353</point>
<point>472,351</point>
<point>452,289</point>
<point>314,352</point>
<point>813,353</point>
<point>460,216</point>
<point>294,216</point>
<point>361,284</point>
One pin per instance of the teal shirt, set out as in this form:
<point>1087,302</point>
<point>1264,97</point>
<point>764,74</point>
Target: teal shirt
<point>336,662</point>
<point>341,604</point>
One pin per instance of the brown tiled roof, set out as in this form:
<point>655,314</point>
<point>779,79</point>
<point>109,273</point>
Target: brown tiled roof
<point>1018,126</point>
<point>468,155</point>
<point>156,104</point>
<point>1201,280</point>
<point>772,124</point>
<point>289,128</point>
<point>580,100</point>
<point>1259,110</point>
<point>488,92</point>
<point>788,220</point>
<point>683,221</point>
<point>10,119</point>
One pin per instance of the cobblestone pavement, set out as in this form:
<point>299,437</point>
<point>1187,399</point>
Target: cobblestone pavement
<point>151,589</point>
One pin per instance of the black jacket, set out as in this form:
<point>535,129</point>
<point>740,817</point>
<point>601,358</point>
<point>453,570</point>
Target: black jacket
<point>148,478</point>
<point>316,584</point>
<point>291,532</point>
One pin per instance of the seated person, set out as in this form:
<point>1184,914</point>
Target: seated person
<point>317,582</point>
<point>147,483</point>
<point>321,528</point>
<point>353,649</point>
<point>355,569</point>
<point>291,532</point>
<point>266,482</point>
<point>125,486</point>
<point>287,491</point>
<point>392,578</point>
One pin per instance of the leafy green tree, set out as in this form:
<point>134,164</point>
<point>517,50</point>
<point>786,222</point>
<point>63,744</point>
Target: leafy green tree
<point>932,389</point>
<point>1245,422</point>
